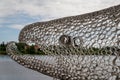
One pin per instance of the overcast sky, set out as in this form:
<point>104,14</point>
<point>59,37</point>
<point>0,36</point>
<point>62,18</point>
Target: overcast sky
<point>15,14</point>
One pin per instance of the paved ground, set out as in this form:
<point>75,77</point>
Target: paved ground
<point>10,70</point>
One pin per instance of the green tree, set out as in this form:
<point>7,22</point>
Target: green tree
<point>3,48</point>
<point>21,47</point>
<point>32,50</point>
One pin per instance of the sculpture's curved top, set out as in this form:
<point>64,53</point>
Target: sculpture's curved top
<point>72,41</point>
<point>48,33</point>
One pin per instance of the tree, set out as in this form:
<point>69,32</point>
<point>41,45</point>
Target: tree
<point>21,47</point>
<point>32,49</point>
<point>3,48</point>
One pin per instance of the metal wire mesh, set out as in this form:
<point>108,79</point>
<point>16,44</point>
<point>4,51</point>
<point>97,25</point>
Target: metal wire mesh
<point>83,47</point>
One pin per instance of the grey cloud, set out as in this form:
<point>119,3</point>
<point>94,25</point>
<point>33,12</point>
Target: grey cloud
<point>53,8</point>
